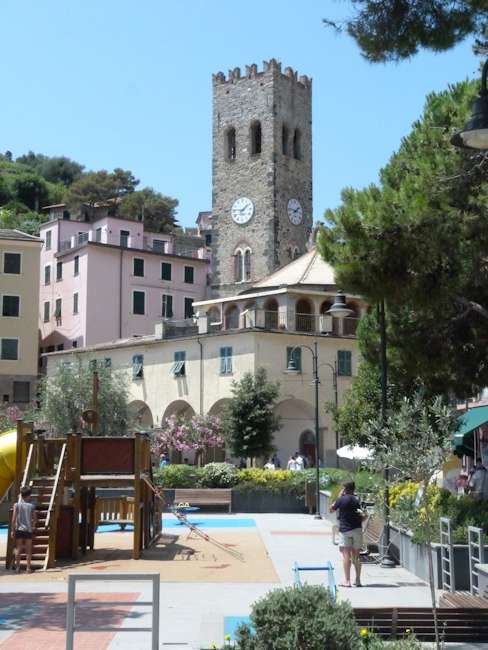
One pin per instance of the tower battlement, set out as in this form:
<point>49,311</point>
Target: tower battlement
<point>271,66</point>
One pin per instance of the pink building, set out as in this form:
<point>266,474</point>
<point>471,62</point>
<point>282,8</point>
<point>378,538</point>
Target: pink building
<point>107,279</point>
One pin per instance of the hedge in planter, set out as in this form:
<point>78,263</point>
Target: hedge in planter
<point>300,619</point>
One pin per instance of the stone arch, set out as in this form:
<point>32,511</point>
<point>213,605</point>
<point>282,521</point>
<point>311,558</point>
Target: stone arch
<point>230,143</point>
<point>180,408</point>
<point>232,317</point>
<point>141,415</point>
<point>304,318</point>
<point>296,416</point>
<point>218,407</point>
<point>213,315</point>
<point>216,455</point>
<point>256,137</point>
<point>271,313</point>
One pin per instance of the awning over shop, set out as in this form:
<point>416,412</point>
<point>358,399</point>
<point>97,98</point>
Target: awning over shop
<point>468,423</point>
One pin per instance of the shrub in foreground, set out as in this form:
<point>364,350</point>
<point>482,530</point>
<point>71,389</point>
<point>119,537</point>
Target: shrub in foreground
<point>218,475</point>
<point>300,619</point>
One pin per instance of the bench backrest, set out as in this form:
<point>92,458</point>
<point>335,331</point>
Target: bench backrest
<point>208,495</point>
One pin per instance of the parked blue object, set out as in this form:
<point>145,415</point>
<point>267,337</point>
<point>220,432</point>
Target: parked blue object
<point>331,583</point>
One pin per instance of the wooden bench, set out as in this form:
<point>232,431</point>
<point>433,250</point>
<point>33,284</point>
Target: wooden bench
<point>114,510</point>
<point>456,625</point>
<point>463,599</point>
<point>205,497</point>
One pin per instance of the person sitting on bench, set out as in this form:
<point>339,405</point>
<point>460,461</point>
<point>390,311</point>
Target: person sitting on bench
<point>351,532</point>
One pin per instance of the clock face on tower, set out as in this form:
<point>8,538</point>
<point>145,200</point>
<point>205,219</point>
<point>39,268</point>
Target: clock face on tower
<point>242,210</point>
<point>295,211</point>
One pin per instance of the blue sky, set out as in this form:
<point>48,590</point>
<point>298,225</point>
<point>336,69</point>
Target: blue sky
<point>119,83</point>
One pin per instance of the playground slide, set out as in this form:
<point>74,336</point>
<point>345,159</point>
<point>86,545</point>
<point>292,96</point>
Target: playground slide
<point>8,442</point>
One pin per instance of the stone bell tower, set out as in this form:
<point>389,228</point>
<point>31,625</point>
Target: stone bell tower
<point>262,173</point>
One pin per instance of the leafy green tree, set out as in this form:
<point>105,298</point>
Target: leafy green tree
<point>55,169</point>
<point>100,187</point>
<point>418,240</point>
<point>249,420</point>
<point>27,222</point>
<point>157,211</point>
<point>68,392</point>
<point>392,30</point>
<point>415,442</point>
<point>31,190</point>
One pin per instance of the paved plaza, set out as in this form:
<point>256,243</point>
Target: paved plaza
<point>192,613</point>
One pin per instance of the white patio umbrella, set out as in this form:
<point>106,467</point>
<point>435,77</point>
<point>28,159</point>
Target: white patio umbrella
<point>354,452</point>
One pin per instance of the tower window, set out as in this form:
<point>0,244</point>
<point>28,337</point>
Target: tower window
<point>238,266</point>
<point>230,143</point>
<point>297,145</point>
<point>285,136</point>
<point>256,138</point>
<point>247,265</point>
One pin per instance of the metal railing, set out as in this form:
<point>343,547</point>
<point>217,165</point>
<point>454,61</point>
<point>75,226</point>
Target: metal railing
<point>447,556</point>
<point>476,556</point>
<point>71,626</point>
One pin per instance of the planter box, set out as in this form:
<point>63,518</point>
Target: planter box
<point>414,558</point>
<point>265,501</point>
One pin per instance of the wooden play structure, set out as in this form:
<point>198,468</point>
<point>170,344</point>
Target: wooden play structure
<point>64,474</point>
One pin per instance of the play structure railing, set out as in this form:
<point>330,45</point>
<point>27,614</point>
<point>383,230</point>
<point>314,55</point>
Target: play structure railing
<point>114,510</point>
<point>53,509</point>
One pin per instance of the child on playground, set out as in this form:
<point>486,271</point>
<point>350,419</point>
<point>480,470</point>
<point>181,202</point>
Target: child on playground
<point>23,523</point>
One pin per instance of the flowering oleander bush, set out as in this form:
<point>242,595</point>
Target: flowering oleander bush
<point>218,475</point>
<point>197,433</point>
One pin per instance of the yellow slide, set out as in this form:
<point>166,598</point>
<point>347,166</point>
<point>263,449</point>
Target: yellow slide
<point>8,441</point>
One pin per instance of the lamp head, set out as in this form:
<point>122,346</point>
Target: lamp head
<point>339,308</point>
<point>474,135</point>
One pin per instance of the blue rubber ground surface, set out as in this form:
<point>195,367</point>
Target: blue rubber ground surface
<point>231,623</point>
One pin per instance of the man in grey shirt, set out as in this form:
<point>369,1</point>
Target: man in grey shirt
<point>24,522</point>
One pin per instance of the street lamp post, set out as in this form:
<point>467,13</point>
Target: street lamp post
<point>292,369</point>
<point>336,401</point>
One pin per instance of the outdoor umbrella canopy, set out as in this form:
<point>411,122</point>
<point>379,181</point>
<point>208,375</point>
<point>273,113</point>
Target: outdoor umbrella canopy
<point>354,452</point>
<point>468,422</point>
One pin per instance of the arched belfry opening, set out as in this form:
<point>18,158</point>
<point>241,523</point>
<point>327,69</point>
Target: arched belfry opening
<point>230,143</point>
<point>256,137</point>
<point>297,145</point>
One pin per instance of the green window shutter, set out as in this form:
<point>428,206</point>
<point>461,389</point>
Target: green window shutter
<point>178,368</point>
<point>138,267</point>
<point>76,265</point>
<point>46,312</point>
<point>59,271</point>
<point>226,361</point>
<point>138,366</point>
<point>296,354</point>
<point>189,274</point>
<point>47,274</point>
<point>188,307</point>
<point>138,302</point>
<point>344,363</point>
<point>165,271</point>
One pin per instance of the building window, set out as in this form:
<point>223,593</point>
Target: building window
<point>285,136</point>
<point>230,143</point>
<point>59,271</point>
<point>178,367</point>
<point>11,306</point>
<point>226,361</point>
<point>50,348</point>
<point>107,362</point>
<point>208,239</point>
<point>124,238</point>
<point>47,274</point>
<point>344,363</point>
<point>21,391</point>
<point>75,303</point>
<point>138,303</point>
<point>60,347</point>
<point>297,144</point>
<point>188,307</point>
<point>76,264</point>
<point>48,239</point>
<point>74,344</point>
<point>92,365</point>
<point>12,263</point>
<point>294,354</point>
<point>189,273</point>
<point>9,349</point>
<point>167,306</point>
<point>46,312</point>
<point>159,245</point>
<point>98,235</point>
<point>238,266</point>
<point>247,265</point>
<point>58,311</point>
<point>138,267</point>
<point>165,271</point>
<point>256,138</point>
<point>138,366</point>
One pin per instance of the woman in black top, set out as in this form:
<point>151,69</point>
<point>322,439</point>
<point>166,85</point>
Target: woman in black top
<point>351,531</point>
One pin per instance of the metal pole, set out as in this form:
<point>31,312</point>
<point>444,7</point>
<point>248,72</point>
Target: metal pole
<point>336,402</point>
<point>386,561</point>
<point>316,382</point>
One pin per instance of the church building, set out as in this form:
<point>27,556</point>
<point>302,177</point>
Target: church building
<point>270,291</point>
